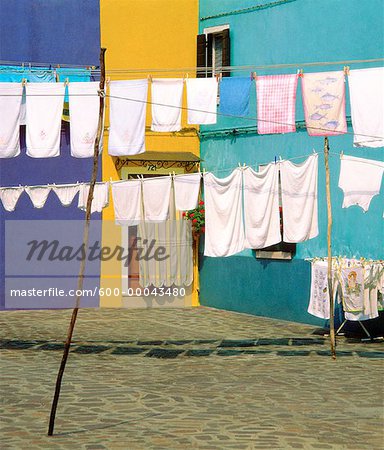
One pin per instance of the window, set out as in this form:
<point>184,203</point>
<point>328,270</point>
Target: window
<point>213,50</point>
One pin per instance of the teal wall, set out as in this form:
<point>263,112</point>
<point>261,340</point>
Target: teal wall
<point>295,32</point>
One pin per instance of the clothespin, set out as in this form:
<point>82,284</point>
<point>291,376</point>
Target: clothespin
<point>280,158</point>
<point>66,82</point>
<point>23,81</point>
<point>341,154</point>
<point>300,72</point>
<point>253,75</point>
<point>108,80</point>
<point>275,159</point>
<point>314,151</point>
<point>22,66</point>
<point>29,66</point>
<point>346,70</point>
<point>149,77</point>
<point>218,77</point>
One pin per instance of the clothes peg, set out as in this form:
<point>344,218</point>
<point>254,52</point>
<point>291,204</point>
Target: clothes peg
<point>149,77</point>
<point>346,70</point>
<point>108,80</point>
<point>275,159</point>
<point>300,72</point>
<point>341,154</point>
<point>23,81</point>
<point>66,82</point>
<point>253,75</point>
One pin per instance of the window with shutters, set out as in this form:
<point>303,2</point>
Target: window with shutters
<point>213,51</point>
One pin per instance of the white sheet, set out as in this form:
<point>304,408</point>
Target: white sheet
<point>100,197</point>
<point>84,107</point>
<point>127,202</point>
<point>299,199</point>
<point>44,109</point>
<point>202,100</point>
<point>10,107</point>
<point>366,87</point>
<point>224,232</point>
<point>10,196</point>
<point>156,198</point>
<point>166,91</point>
<point>261,207</point>
<point>66,193</point>
<point>38,195</point>
<point>360,180</point>
<point>127,117</point>
<point>187,188</point>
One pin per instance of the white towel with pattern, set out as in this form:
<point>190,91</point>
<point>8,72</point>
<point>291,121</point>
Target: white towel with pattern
<point>166,91</point>
<point>127,202</point>
<point>10,107</point>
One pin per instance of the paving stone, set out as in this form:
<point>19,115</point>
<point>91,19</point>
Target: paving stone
<point>128,350</point>
<point>238,343</point>
<point>265,341</point>
<point>198,352</point>
<point>293,353</point>
<point>229,352</point>
<point>371,354</point>
<point>185,342</point>
<point>18,345</point>
<point>164,353</point>
<point>86,349</point>
<point>303,341</point>
<point>150,343</point>
<point>51,346</point>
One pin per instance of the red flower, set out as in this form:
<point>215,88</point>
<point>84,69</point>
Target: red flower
<point>203,229</point>
<point>192,215</point>
<point>194,220</point>
<point>184,214</point>
<point>202,211</point>
<point>201,202</point>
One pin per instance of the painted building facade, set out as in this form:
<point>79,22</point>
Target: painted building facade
<point>50,33</point>
<point>264,33</point>
<point>144,39</point>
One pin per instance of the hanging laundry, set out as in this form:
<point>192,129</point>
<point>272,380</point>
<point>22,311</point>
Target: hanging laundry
<point>172,239</point>
<point>166,91</point>
<point>38,195</point>
<point>10,196</point>
<point>261,207</point>
<point>235,95</point>
<point>44,107</point>
<point>224,232</point>
<point>352,287</point>
<point>187,188</point>
<point>319,299</point>
<point>202,100</point>
<point>66,193</point>
<point>299,199</point>
<point>100,197</point>
<point>276,103</point>
<point>156,198</point>
<point>366,87</point>
<point>127,202</point>
<point>324,103</point>
<point>128,106</point>
<point>10,107</point>
<point>84,117</point>
<point>360,180</point>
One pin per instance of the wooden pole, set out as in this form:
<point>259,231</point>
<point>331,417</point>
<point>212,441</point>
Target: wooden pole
<point>329,245</point>
<point>80,279</point>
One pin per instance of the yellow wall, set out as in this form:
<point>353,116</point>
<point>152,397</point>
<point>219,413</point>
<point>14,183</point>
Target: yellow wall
<point>145,34</point>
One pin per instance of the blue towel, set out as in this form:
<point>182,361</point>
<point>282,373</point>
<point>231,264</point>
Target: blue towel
<point>17,73</point>
<point>234,95</point>
<point>73,75</point>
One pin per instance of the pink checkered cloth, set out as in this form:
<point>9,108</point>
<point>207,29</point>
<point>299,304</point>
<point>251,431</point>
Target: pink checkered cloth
<point>276,103</point>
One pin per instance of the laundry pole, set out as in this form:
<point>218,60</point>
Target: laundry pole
<point>329,248</point>
<point>80,280</point>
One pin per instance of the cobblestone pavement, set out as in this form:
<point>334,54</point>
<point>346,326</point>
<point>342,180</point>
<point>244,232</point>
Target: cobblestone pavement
<point>181,379</point>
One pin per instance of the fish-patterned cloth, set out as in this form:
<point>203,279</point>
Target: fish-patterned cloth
<point>276,103</point>
<point>324,103</point>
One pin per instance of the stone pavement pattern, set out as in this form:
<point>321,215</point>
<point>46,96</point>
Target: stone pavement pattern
<point>180,379</point>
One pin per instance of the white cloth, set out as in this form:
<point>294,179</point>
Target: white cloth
<point>10,106</point>
<point>352,287</point>
<point>66,193</point>
<point>366,87</point>
<point>44,109</point>
<point>166,91</point>
<point>156,198</point>
<point>10,196</point>
<point>100,197</point>
<point>299,199</point>
<point>202,100</point>
<point>187,188</point>
<point>224,233</point>
<point>171,241</point>
<point>38,195</point>
<point>127,202</point>
<point>360,180</point>
<point>127,117</point>
<point>84,107</point>
<point>261,207</point>
<point>319,299</point>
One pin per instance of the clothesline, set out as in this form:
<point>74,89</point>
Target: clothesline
<point>53,66</point>
<point>184,108</point>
